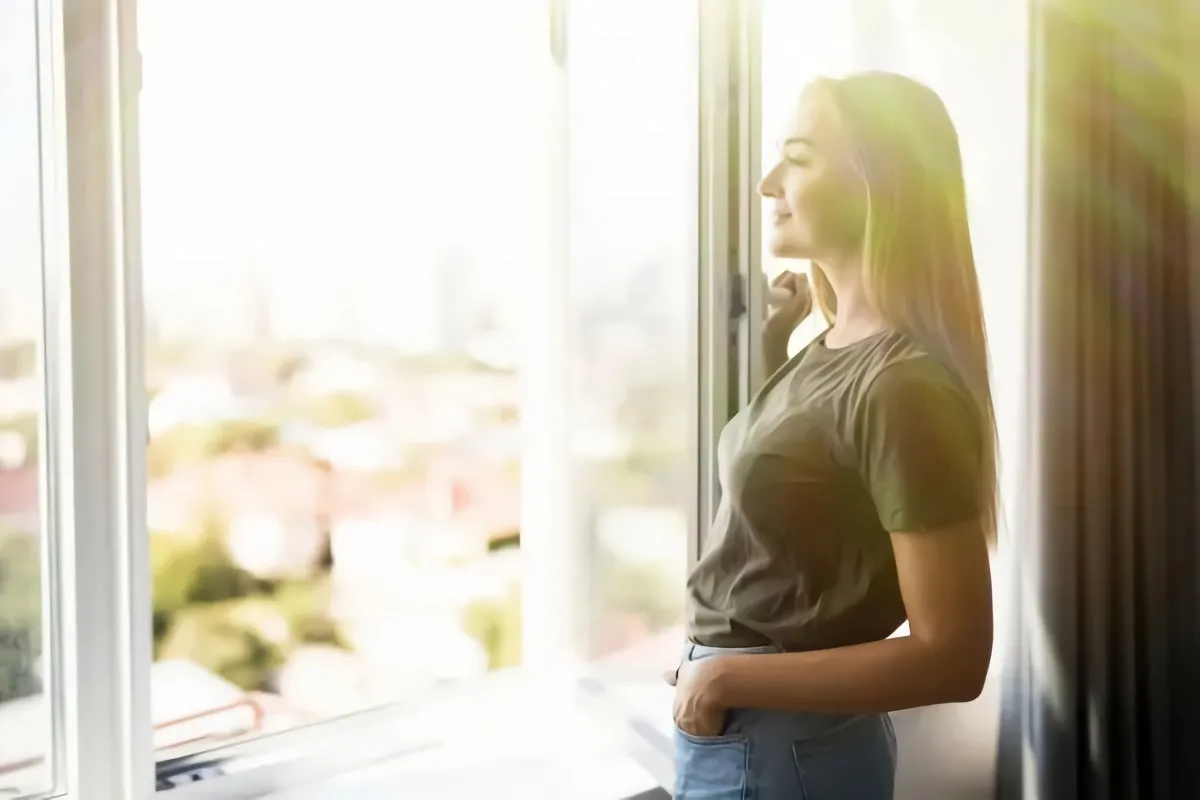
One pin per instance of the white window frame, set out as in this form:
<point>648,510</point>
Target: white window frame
<point>745,65</point>
<point>731,304</point>
<point>56,639</point>
<point>93,310</point>
<point>718,242</point>
<point>96,417</point>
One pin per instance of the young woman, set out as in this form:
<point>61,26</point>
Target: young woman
<point>859,486</point>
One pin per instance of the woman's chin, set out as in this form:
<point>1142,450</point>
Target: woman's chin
<point>781,247</point>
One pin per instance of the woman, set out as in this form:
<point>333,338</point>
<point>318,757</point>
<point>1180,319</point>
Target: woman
<point>859,486</point>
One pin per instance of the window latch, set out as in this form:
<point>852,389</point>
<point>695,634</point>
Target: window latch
<point>737,296</point>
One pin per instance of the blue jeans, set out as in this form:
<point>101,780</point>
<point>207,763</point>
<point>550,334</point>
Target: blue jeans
<point>777,755</point>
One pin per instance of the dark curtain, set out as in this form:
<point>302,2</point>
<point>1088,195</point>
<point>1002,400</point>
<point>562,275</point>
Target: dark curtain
<point>1102,693</point>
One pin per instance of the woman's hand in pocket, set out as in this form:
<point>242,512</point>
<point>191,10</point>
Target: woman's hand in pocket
<point>696,711</point>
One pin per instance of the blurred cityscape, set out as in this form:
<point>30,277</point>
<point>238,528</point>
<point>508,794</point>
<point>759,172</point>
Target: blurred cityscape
<point>332,322</point>
<point>334,526</point>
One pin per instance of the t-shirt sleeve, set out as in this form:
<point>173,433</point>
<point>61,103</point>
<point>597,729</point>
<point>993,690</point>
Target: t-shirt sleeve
<point>919,445</point>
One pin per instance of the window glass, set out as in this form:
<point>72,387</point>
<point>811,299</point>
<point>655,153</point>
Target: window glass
<point>336,212</point>
<point>633,70</point>
<point>26,704</point>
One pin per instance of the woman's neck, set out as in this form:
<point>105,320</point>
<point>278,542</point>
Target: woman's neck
<point>856,317</point>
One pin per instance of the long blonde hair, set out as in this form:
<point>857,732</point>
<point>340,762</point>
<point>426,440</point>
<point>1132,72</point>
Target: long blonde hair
<point>919,268</point>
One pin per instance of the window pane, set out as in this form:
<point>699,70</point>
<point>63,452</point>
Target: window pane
<point>26,707</point>
<point>633,207</point>
<point>336,213</point>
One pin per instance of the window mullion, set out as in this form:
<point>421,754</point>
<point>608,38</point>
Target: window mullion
<point>746,67</point>
<point>101,469</point>
<point>730,303</point>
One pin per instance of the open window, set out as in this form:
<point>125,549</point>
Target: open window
<point>393,328</point>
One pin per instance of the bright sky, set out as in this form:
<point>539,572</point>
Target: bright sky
<point>328,150</point>
<point>329,155</point>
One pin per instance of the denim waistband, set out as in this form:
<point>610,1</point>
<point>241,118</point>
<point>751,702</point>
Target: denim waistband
<point>693,651</point>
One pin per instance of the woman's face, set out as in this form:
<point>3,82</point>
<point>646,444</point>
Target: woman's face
<point>818,200</point>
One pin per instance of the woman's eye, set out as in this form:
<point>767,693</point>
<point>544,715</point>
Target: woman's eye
<point>798,161</point>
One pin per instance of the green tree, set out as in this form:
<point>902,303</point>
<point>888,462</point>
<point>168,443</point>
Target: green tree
<point>305,605</point>
<point>220,640</point>
<point>188,572</point>
<point>338,409</point>
<point>496,624</point>
<point>191,443</point>
<point>20,614</point>
<point>210,611</point>
<point>247,435</point>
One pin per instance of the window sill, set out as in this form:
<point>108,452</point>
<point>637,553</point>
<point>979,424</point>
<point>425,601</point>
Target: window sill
<point>570,756</point>
<point>506,732</point>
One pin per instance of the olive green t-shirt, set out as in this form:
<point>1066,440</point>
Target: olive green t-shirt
<point>839,447</point>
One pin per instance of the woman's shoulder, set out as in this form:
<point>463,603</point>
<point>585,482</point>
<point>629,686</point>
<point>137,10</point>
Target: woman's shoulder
<point>909,396</point>
<point>900,364</point>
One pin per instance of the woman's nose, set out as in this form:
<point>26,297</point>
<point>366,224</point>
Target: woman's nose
<point>769,185</point>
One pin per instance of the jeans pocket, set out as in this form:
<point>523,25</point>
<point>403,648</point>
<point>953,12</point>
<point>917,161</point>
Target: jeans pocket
<point>854,762</point>
<point>710,767</point>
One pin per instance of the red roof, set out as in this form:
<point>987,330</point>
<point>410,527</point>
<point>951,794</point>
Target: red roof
<point>19,491</point>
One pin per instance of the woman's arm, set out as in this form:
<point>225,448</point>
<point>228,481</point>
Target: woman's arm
<point>946,584</point>
<point>775,355</point>
<point>784,318</point>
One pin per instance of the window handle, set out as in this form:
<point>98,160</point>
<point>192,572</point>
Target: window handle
<point>737,297</point>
